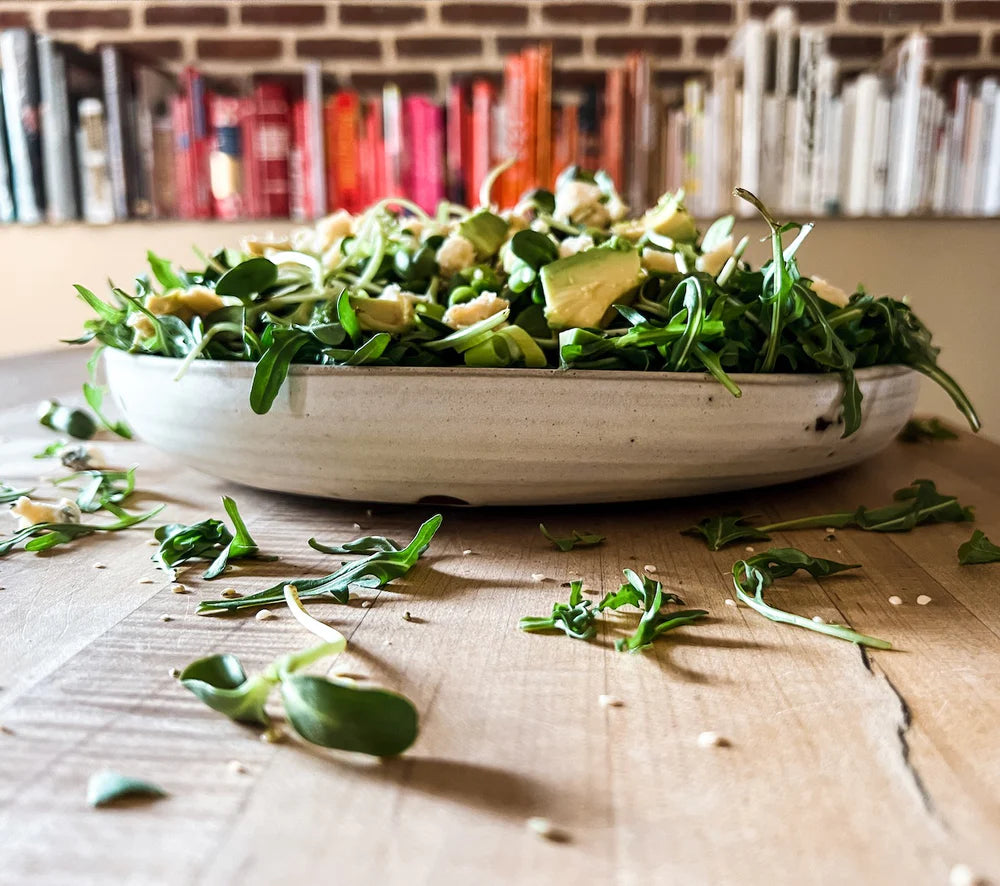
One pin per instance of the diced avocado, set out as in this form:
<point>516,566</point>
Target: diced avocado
<point>579,289</point>
<point>669,218</point>
<point>485,230</point>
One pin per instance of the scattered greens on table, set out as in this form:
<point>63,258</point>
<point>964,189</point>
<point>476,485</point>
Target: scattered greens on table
<point>978,549</point>
<point>98,487</point>
<point>562,280</point>
<point>9,493</point>
<point>77,423</point>
<point>919,430</point>
<point>108,787</point>
<point>208,540</point>
<point>753,576</point>
<point>577,619</point>
<point>576,539</point>
<point>43,536</point>
<point>914,505</point>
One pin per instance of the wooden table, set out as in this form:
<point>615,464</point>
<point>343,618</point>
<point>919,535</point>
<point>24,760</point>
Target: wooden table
<point>843,768</point>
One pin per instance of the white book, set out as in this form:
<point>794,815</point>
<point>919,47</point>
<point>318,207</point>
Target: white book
<point>956,147</point>
<point>92,153</point>
<point>822,148</point>
<point>694,151</point>
<point>750,45</point>
<point>791,130</point>
<point>6,191</point>
<point>932,114</point>
<point>313,93</point>
<point>772,151</point>
<point>848,111</point>
<point>867,90</point>
<point>782,46</point>
<point>812,46</point>
<point>910,70</point>
<point>20,90</point>
<point>987,101</point>
<point>878,168</point>
<point>942,167</point>
<point>724,131</point>
<point>674,173</point>
<point>991,176</point>
<point>970,158</point>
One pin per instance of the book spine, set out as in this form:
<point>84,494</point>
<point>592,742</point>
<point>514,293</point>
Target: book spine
<point>225,160</point>
<point>314,139</point>
<point>458,160</point>
<point>909,82</point>
<point>866,97</point>
<point>92,150</point>
<point>344,147</point>
<point>509,186</point>
<point>754,64</point>
<point>7,210</point>
<point>392,140</point>
<point>529,115</point>
<point>434,168</point>
<point>991,187</point>
<point>114,107</point>
<point>481,147</point>
<point>613,125</point>
<point>298,164</point>
<point>957,145</point>
<point>164,185</point>
<point>273,135</point>
<point>250,180</point>
<point>878,171</point>
<point>200,142</point>
<point>543,117</point>
<point>21,100</point>
<point>58,140</point>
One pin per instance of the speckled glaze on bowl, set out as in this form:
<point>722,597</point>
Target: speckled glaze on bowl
<point>504,436</point>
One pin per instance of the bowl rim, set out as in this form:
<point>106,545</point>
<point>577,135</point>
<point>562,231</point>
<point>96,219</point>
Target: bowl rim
<point>244,368</point>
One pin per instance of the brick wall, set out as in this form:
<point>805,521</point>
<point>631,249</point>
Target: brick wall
<point>419,43</point>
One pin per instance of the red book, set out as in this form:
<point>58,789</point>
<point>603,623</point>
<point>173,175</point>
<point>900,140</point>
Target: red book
<point>250,179</point>
<point>373,180</point>
<point>481,138</point>
<point>298,164</point>
<point>199,142</point>
<point>181,117</point>
<point>529,114</point>
<point>271,142</point>
<point>457,143</point>
<point>613,125</point>
<point>543,117</point>
<point>509,186</point>
<point>424,140</point>
<point>343,113</point>
<point>565,128</point>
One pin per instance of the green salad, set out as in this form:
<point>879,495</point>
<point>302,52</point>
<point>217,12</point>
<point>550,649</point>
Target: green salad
<point>564,280</point>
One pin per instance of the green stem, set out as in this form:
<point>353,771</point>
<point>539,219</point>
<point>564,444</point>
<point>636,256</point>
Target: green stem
<point>952,388</point>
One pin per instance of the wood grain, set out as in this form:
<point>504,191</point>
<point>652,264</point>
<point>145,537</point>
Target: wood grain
<point>842,767</point>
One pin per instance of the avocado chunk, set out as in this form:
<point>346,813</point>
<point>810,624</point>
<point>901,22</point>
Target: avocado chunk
<point>486,231</point>
<point>669,218</point>
<point>580,288</point>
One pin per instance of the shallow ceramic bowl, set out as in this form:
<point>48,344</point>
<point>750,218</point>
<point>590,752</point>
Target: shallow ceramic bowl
<point>504,436</point>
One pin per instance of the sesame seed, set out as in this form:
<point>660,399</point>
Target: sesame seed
<point>366,604</point>
<point>178,589</point>
<point>100,566</point>
<point>962,875</point>
<point>356,525</point>
<point>545,829</point>
<point>165,617</point>
<point>145,581</point>
<point>609,701</point>
<point>152,542</point>
<point>729,602</point>
<point>711,740</point>
<point>467,552</point>
<point>896,601</point>
<point>174,672</point>
<point>272,735</point>
<point>236,767</point>
<point>830,530</point>
<point>749,549</point>
<point>6,730</point>
<point>265,615</point>
<point>923,600</point>
<point>231,593</point>
<point>538,576</point>
<point>819,619</point>
<point>649,568</point>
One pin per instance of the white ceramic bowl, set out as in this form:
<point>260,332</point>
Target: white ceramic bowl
<point>504,436</point>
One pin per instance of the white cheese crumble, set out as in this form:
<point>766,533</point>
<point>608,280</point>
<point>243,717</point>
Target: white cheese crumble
<point>467,552</point>
<point>231,593</point>
<point>729,602</point>
<point>545,829</point>
<point>145,581</point>
<point>573,245</point>
<point>713,262</point>
<point>828,292</point>
<point>963,875</point>
<point>455,254</point>
<point>538,576</point>
<point>580,203</point>
<point>166,617</point>
<point>236,767</point>
<point>179,589</point>
<point>659,261</point>
<point>482,306</point>
<point>649,567</point>
<point>819,619</point>
<point>31,513</point>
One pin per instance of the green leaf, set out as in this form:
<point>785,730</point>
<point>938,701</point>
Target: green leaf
<point>164,272</point>
<point>533,248</point>
<point>578,539</point>
<point>51,451</point>
<point>368,544</point>
<point>753,576</point>
<point>9,493</point>
<point>100,487</point>
<point>272,368</point>
<point>575,618</point>
<point>637,591</point>
<point>348,317</point>
<point>647,595</point>
<point>44,536</point>
<point>373,571</point>
<point>370,351</point>
<point>978,549</point>
<point>920,430</point>
<point>725,530</point>
<point>347,717</point>
<point>221,683</point>
<point>248,278</point>
<point>107,787</point>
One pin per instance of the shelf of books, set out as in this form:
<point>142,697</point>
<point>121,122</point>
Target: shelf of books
<point>105,137</point>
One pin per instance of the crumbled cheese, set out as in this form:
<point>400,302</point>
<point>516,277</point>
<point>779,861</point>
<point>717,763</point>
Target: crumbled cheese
<point>896,601</point>
<point>713,262</point>
<point>181,303</point>
<point>357,526</point>
<point>711,740</point>
<point>573,245</point>
<point>265,615</point>
<point>830,530</point>
<point>31,513</point>
<point>649,567</point>
<point>923,600</point>
<point>580,203</point>
<point>749,549</point>
<point>81,457</point>
<point>455,254</point>
<point>231,593</point>
<point>332,228</point>
<point>659,261</point>
<point>829,292</point>
<point>392,311</point>
<point>482,306</point>
<point>180,589</point>
<point>174,672</point>
<point>260,246</point>
<point>609,701</point>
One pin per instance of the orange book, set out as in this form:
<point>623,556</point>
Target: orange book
<point>543,118</point>
<point>565,129</point>
<point>342,141</point>
<point>480,138</point>
<point>509,187</point>
<point>613,125</point>
<point>529,110</point>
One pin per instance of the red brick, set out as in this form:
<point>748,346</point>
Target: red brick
<point>235,49</point>
<point>880,13</point>
<point>89,18</point>
<point>689,13</point>
<point>484,14</point>
<point>14,19</point>
<point>586,13</point>
<point>954,45</point>
<point>187,14</point>
<point>437,47</point>
<point>806,11</point>
<point>408,81</point>
<point>283,14</point>
<point>378,14</point>
<point>561,45</point>
<point>855,46</point>
<point>711,45</point>
<point>154,49</point>
<point>337,47</point>
<point>655,46</point>
<point>981,9</point>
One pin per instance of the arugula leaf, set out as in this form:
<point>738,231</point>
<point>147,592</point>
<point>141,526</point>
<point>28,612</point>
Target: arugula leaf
<point>221,682</point>
<point>272,367</point>
<point>575,618</point>
<point>725,529</point>
<point>51,451</point>
<point>107,787</point>
<point>578,539</point>
<point>755,575</point>
<point>978,549</point>
<point>919,430</point>
<point>367,544</point>
<point>101,487</point>
<point>248,278</point>
<point>163,271</point>
<point>636,591</point>
<point>43,536</point>
<point>373,571</point>
<point>9,493</point>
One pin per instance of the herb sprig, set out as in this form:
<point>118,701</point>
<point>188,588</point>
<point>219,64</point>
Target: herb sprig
<point>978,549</point>
<point>576,539</point>
<point>575,618</point>
<point>44,536</point>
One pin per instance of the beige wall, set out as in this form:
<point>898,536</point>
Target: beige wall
<point>945,267</point>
